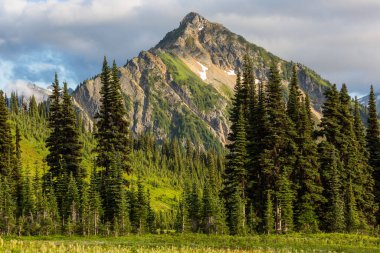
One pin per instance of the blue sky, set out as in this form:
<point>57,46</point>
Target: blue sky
<point>339,39</point>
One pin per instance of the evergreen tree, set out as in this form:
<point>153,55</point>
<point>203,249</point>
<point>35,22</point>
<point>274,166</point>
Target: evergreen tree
<point>279,155</point>
<point>330,127</point>
<point>352,213</point>
<point>208,212</point>
<point>33,108</point>
<point>60,187</point>
<point>150,219</point>
<point>293,105</point>
<point>348,147</point>
<point>71,145</point>
<point>138,208</point>
<point>18,149</point>
<point>366,198</point>
<point>213,219</point>
<point>64,150</point>
<point>133,209</point>
<point>56,138</point>
<point>248,91</point>
<point>112,125</point>
<point>6,145</point>
<point>14,104</point>
<point>85,211</point>
<point>194,208</point>
<point>268,214</point>
<point>309,196</point>
<point>237,103</point>
<point>27,200</point>
<point>104,133</point>
<point>258,186</point>
<point>17,177</point>
<point>122,217</point>
<point>373,144</point>
<point>96,211</point>
<point>51,221</point>
<point>250,104</point>
<point>119,119</point>
<point>7,207</point>
<point>112,190</point>
<point>333,154</point>
<point>181,217</point>
<point>71,205</point>
<point>39,200</point>
<point>332,213</point>
<point>112,142</point>
<point>235,178</point>
<point>305,176</point>
<point>236,213</point>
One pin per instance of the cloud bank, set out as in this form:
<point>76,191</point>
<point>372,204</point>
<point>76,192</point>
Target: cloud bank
<point>338,39</point>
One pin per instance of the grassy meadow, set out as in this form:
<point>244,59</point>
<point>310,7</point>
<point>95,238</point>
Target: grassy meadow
<point>194,243</point>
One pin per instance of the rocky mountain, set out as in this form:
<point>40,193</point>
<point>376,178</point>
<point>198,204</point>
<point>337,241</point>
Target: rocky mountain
<point>183,86</point>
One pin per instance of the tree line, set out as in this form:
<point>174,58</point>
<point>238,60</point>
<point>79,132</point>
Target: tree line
<point>283,170</point>
<point>286,173</point>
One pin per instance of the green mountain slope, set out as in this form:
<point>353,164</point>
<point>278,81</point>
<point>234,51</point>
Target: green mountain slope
<point>162,171</point>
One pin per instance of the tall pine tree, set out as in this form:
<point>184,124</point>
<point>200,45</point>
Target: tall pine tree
<point>6,145</point>
<point>279,155</point>
<point>366,198</point>
<point>71,146</point>
<point>56,138</point>
<point>373,144</point>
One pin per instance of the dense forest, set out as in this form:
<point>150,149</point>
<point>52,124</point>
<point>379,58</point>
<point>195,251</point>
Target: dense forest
<point>282,170</point>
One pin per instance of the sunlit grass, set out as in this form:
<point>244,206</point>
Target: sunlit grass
<point>195,243</point>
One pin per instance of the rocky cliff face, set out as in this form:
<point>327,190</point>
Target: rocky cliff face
<point>182,87</point>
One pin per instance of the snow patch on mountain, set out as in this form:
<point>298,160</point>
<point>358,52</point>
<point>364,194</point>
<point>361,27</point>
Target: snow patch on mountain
<point>230,72</point>
<point>203,74</point>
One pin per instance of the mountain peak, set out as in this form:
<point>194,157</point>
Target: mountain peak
<point>191,26</point>
<point>193,18</point>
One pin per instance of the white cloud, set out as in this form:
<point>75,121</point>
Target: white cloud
<point>70,11</point>
<point>13,7</point>
<point>36,68</point>
<point>337,38</point>
<point>40,66</point>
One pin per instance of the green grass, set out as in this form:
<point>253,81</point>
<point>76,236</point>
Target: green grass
<point>204,96</point>
<point>226,90</point>
<point>209,243</point>
<point>33,151</point>
<point>163,188</point>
